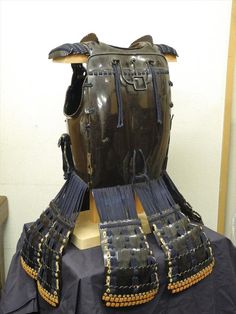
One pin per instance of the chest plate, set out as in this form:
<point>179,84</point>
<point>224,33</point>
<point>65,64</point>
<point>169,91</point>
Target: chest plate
<point>118,111</point>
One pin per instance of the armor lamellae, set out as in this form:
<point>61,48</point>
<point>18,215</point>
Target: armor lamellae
<point>118,110</point>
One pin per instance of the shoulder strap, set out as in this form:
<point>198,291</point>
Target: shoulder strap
<point>90,37</point>
<point>140,41</point>
<point>164,49</point>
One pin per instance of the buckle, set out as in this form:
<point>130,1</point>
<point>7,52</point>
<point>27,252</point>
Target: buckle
<point>139,83</point>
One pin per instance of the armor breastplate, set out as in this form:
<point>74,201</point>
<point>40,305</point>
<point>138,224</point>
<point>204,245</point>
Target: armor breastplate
<point>118,110</point>
<point>118,113</point>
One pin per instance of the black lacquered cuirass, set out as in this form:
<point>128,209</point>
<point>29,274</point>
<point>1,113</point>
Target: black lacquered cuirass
<point>118,113</point>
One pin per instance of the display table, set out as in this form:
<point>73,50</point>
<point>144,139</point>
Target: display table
<point>82,279</point>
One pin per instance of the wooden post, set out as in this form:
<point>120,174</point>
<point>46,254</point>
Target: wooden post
<point>227,121</point>
<point>94,217</point>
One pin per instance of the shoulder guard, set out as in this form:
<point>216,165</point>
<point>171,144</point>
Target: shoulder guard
<point>68,49</point>
<point>167,50</point>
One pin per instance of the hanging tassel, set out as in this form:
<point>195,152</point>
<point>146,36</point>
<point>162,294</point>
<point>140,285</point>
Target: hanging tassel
<point>155,91</point>
<point>186,208</point>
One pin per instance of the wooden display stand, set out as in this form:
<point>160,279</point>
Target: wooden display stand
<point>86,231</point>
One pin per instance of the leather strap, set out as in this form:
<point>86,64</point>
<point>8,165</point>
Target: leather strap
<point>67,159</point>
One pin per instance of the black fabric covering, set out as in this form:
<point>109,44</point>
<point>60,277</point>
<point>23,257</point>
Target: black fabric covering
<point>83,277</point>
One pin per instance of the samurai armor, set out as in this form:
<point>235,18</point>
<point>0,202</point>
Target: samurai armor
<point>118,110</point>
<point>119,103</point>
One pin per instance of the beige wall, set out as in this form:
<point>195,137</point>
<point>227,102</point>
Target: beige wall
<point>33,89</point>
<point>231,195</point>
